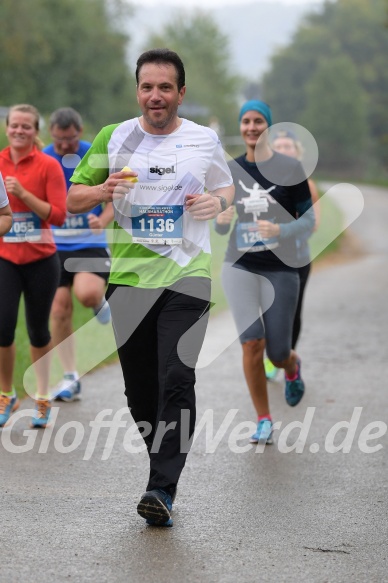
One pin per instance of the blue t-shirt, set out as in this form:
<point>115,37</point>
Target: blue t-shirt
<point>75,233</point>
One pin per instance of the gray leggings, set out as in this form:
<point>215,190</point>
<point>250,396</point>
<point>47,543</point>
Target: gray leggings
<point>263,306</point>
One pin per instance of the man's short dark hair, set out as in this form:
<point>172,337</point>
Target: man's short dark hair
<point>162,56</point>
<point>65,117</point>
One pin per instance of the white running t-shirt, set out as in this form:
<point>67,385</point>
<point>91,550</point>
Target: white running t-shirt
<point>156,242</point>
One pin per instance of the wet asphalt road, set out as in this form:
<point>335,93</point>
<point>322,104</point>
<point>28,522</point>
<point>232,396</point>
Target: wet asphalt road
<point>315,516</point>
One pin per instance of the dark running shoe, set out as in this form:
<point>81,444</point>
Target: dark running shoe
<point>155,506</point>
<point>294,390</point>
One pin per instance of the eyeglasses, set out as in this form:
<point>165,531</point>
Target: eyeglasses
<point>65,139</point>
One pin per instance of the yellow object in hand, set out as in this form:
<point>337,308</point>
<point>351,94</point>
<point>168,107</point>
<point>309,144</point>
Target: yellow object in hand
<point>130,178</point>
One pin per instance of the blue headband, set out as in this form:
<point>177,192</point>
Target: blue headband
<point>260,106</point>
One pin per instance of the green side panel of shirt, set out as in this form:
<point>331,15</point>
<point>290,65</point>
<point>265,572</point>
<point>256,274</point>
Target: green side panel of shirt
<point>93,169</point>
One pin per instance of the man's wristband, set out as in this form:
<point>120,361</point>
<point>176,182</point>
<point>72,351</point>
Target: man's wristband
<point>223,201</point>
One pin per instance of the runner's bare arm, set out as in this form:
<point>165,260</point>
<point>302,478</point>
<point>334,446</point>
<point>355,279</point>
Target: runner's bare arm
<point>82,197</point>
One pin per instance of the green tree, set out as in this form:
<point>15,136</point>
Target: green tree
<point>336,113</point>
<point>211,87</point>
<point>351,28</point>
<point>285,84</point>
<point>63,53</point>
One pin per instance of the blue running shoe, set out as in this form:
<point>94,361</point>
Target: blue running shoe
<point>263,433</point>
<point>270,370</point>
<point>41,415</point>
<point>294,390</point>
<point>155,506</point>
<point>7,406</point>
<point>69,389</point>
<point>102,313</point>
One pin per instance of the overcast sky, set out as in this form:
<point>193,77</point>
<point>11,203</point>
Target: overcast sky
<point>218,3</point>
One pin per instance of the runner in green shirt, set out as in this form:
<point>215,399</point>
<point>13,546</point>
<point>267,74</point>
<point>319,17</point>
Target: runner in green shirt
<point>159,286</point>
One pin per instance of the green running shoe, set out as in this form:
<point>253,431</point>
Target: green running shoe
<point>270,370</point>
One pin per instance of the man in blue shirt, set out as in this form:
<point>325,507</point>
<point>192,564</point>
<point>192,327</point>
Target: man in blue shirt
<point>83,251</point>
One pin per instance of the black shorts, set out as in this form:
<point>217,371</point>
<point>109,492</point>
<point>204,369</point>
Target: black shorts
<point>89,260</point>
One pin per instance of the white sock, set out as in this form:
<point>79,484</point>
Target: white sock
<point>73,374</point>
<point>99,306</point>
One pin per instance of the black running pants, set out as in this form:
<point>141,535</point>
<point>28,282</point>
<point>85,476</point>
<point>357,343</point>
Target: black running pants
<point>159,334</point>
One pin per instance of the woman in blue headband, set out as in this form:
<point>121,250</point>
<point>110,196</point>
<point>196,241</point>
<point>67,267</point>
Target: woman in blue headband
<point>259,274</point>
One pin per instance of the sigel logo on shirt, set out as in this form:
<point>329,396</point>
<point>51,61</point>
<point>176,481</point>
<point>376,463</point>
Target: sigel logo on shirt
<point>162,166</point>
<point>162,171</point>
